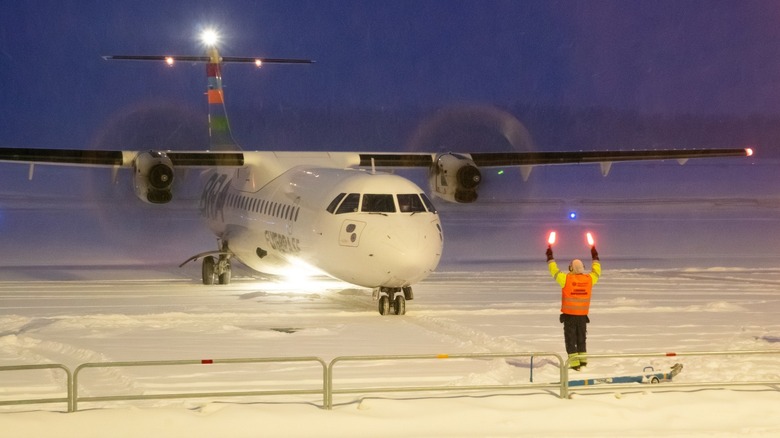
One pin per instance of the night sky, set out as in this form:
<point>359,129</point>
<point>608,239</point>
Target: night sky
<point>655,57</point>
<point>698,74</point>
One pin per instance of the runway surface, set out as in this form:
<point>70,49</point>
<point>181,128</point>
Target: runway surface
<point>75,315</point>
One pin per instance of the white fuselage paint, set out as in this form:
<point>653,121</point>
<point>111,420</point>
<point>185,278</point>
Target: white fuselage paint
<point>280,225</point>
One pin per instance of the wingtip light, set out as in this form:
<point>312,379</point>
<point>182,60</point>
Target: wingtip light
<point>748,152</point>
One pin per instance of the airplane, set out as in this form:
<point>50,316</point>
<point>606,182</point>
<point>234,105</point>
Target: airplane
<point>332,213</point>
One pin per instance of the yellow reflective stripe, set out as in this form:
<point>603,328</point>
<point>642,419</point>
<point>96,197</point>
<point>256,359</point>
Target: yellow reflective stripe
<point>570,310</point>
<point>574,360</point>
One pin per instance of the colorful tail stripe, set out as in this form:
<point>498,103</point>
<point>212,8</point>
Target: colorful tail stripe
<point>221,138</point>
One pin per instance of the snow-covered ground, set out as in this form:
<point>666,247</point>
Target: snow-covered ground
<point>124,314</point>
<point>683,273</point>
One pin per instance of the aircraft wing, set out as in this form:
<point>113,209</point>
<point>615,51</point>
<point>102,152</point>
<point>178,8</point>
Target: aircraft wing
<point>454,176</point>
<point>88,158</point>
<point>492,159</point>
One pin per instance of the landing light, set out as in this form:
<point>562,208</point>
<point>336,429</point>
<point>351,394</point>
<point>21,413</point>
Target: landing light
<point>169,60</point>
<point>749,152</point>
<point>259,63</point>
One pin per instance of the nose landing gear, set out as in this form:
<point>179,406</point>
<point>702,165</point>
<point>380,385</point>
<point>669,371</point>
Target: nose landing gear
<point>393,299</point>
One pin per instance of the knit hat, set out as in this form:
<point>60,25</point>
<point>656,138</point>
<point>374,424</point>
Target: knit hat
<point>576,266</point>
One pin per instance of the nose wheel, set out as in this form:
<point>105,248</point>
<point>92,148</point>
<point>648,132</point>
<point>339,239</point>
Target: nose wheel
<point>392,301</point>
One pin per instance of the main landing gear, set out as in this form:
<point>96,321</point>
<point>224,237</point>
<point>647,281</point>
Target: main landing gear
<point>393,299</point>
<point>217,269</point>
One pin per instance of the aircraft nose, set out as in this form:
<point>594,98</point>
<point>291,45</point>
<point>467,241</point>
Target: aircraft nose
<point>409,253</point>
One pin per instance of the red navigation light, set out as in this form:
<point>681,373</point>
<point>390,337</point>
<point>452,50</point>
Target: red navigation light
<point>551,238</point>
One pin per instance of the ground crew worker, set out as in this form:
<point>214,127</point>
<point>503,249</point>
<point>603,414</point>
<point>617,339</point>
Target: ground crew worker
<point>575,303</point>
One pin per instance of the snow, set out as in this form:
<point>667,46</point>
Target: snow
<point>122,314</point>
<point>685,273</point>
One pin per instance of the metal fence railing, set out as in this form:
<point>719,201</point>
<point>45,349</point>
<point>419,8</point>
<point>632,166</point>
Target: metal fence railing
<point>181,395</point>
<point>669,385</point>
<point>331,386</point>
<point>435,388</point>
<point>33,401</point>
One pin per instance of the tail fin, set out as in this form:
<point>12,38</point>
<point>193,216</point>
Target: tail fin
<point>220,136</point>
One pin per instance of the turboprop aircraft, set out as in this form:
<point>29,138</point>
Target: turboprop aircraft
<point>330,213</point>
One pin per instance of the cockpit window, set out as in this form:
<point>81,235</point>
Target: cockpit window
<point>381,203</point>
<point>410,203</point>
<point>335,202</point>
<point>350,204</point>
<point>428,203</point>
<point>378,203</point>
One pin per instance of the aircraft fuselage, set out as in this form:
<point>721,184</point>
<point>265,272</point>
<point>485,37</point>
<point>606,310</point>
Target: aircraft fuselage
<point>369,229</point>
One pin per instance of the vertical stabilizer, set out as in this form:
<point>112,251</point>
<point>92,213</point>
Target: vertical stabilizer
<point>220,137</point>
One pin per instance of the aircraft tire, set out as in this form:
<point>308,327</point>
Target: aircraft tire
<point>399,305</point>
<point>224,278</point>
<point>208,270</point>
<point>384,305</point>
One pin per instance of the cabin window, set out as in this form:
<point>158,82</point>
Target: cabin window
<point>350,204</point>
<point>378,203</point>
<point>410,203</point>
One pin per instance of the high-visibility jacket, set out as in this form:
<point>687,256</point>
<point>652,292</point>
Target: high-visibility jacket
<point>575,295</point>
<point>576,288</point>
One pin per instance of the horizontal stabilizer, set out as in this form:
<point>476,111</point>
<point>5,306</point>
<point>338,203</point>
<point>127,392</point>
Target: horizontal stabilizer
<point>225,59</point>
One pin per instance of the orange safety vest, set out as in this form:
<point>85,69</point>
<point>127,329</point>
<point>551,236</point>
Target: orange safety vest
<point>575,296</point>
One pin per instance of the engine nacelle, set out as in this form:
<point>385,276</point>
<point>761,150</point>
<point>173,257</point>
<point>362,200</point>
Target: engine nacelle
<point>455,178</point>
<point>153,177</point>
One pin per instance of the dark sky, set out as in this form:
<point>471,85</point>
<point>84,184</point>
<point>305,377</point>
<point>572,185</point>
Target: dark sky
<point>664,57</point>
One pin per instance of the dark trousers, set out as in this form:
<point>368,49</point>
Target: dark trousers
<point>575,330</point>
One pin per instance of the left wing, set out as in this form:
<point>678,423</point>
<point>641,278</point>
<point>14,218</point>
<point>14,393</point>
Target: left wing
<point>455,176</point>
<point>488,159</point>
